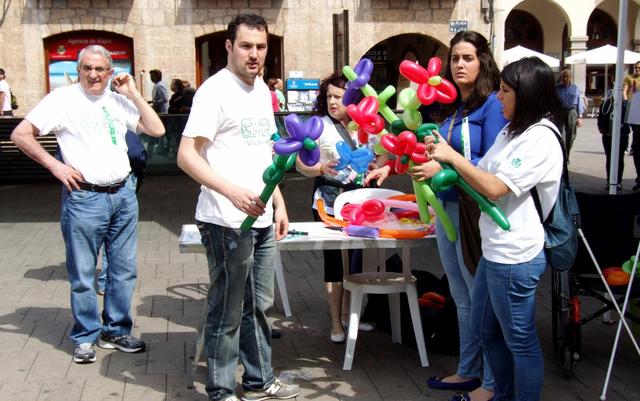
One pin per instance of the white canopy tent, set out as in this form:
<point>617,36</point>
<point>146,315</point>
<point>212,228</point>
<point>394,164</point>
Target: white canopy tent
<point>518,52</point>
<point>604,55</point>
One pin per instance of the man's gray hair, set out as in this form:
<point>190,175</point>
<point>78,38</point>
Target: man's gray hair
<point>96,49</point>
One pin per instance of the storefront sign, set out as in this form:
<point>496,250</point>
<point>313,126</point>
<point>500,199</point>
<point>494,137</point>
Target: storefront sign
<point>456,25</point>
<point>67,49</point>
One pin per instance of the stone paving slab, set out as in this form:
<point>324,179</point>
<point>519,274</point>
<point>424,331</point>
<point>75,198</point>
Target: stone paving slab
<point>35,319</point>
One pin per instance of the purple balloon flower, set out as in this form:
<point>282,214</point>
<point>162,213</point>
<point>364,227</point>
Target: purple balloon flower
<point>363,69</point>
<point>302,138</point>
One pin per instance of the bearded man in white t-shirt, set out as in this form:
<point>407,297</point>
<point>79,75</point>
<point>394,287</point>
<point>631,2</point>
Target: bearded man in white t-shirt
<point>90,123</point>
<point>226,147</point>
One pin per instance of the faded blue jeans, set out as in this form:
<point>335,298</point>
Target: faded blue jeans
<point>89,219</point>
<point>241,271</point>
<point>132,183</point>
<point>504,308</point>
<point>472,363</point>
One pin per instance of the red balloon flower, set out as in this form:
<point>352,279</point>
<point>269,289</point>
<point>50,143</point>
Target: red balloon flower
<point>431,86</point>
<point>365,114</point>
<point>406,148</point>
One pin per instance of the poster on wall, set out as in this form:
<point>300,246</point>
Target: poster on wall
<point>63,55</point>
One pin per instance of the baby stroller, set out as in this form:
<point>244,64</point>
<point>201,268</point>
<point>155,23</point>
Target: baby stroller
<point>611,227</point>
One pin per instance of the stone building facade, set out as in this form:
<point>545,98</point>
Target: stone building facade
<point>173,35</point>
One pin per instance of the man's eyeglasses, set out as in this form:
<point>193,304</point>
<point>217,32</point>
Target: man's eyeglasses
<point>102,71</point>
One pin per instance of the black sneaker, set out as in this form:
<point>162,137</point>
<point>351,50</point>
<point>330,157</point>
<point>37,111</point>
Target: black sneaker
<point>84,353</point>
<point>123,343</point>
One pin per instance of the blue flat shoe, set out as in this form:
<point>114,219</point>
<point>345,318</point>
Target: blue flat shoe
<point>436,382</point>
<point>464,397</point>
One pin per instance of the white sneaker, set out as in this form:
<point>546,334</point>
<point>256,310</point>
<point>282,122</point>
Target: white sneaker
<point>278,390</point>
<point>84,353</point>
<point>362,326</point>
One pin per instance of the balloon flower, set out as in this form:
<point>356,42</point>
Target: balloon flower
<point>358,159</point>
<point>431,86</point>
<point>407,149</point>
<point>301,141</point>
<point>411,117</point>
<point>359,80</point>
<point>365,116</point>
<point>448,177</point>
<point>373,218</point>
<point>361,77</point>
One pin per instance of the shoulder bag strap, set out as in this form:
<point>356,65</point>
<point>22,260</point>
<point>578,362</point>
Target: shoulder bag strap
<point>344,134</point>
<point>565,173</point>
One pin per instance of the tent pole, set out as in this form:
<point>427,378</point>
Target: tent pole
<point>617,97</point>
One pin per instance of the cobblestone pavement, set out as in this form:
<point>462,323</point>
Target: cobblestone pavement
<point>35,319</point>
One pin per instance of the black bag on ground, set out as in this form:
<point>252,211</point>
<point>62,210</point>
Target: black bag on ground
<point>439,326</point>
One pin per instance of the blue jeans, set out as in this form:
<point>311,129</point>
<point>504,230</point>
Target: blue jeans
<point>87,220</point>
<point>504,308</point>
<point>461,285</point>
<point>102,276</point>
<point>241,270</point>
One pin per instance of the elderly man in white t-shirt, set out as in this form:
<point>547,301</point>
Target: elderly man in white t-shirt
<point>226,148</point>
<point>90,122</point>
<point>5,96</point>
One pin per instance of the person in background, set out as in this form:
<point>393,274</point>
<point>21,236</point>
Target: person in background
<point>605,124</point>
<point>159,94</point>
<point>474,120</point>
<point>274,98</point>
<point>572,108</point>
<point>328,184</point>
<point>279,87</point>
<point>98,205</point>
<point>527,154</point>
<point>231,120</point>
<point>630,87</point>
<point>5,96</point>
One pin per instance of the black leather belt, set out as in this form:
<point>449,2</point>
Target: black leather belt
<point>111,188</point>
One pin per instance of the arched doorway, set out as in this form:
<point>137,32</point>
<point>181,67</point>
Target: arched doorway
<point>211,56</point>
<point>61,54</point>
<point>387,55</point>
<point>601,30</point>
<point>522,28</point>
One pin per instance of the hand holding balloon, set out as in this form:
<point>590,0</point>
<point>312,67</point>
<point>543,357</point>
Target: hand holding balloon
<point>439,150</point>
<point>302,140</point>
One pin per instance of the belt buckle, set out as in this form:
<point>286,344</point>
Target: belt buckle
<point>113,188</point>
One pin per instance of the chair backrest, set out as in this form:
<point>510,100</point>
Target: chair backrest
<point>360,195</point>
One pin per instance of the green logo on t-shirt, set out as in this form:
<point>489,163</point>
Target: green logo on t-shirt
<point>255,131</point>
<point>516,162</point>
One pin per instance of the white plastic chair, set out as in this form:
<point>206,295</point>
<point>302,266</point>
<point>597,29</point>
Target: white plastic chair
<point>371,281</point>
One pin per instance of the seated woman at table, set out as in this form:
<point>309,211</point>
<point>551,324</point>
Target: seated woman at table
<point>328,184</point>
<point>526,155</point>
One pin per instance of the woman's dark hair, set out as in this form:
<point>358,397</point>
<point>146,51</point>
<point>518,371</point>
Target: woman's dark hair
<point>336,79</point>
<point>532,81</point>
<point>177,83</point>
<point>271,83</point>
<point>487,81</point>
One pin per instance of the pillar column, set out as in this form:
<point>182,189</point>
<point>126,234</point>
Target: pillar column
<point>579,45</point>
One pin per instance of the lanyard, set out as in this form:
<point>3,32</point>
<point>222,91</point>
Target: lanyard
<point>465,142</point>
<point>112,130</point>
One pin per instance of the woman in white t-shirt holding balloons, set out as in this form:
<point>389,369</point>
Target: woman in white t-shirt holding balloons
<point>526,154</point>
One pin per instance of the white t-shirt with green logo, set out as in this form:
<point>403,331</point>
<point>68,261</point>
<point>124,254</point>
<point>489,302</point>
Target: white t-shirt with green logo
<point>533,158</point>
<point>237,119</point>
<point>90,129</point>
